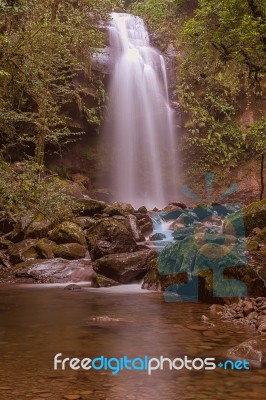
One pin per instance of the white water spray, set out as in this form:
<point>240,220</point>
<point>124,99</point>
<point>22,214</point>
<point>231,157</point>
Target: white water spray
<point>141,121</point>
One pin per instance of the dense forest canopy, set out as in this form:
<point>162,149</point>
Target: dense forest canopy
<point>43,46</point>
<point>221,52</point>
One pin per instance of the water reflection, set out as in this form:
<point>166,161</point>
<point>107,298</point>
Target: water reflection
<point>37,323</point>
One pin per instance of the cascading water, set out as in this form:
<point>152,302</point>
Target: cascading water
<point>140,119</point>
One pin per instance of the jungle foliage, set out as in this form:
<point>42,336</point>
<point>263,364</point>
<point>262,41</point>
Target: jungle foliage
<point>221,56</point>
<point>44,45</point>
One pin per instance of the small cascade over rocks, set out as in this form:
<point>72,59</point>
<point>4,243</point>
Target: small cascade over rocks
<point>140,121</point>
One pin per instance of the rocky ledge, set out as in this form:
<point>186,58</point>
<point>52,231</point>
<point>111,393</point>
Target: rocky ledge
<point>249,311</point>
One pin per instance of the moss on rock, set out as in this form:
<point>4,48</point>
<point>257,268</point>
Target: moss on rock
<point>68,232</point>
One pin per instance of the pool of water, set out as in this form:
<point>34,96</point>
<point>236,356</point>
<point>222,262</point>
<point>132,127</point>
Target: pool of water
<point>38,322</point>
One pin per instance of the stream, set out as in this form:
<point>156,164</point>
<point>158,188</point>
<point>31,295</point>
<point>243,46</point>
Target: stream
<point>39,321</point>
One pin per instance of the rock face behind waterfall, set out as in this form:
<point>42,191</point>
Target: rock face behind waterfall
<point>140,125</point>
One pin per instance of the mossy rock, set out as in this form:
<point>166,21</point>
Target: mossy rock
<point>68,232</point>
<point>109,236</point>
<point>22,251</point>
<point>85,222</point>
<point>44,247</point>
<point>177,257</point>
<point>4,244</point>
<point>91,207</point>
<point>255,216</point>
<point>125,267</point>
<point>252,245</point>
<point>253,277</point>
<point>114,210</point>
<point>38,228</point>
<point>262,236</point>
<point>99,281</point>
<point>153,280</point>
<point>70,251</point>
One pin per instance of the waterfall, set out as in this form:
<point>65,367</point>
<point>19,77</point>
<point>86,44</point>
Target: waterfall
<point>140,120</point>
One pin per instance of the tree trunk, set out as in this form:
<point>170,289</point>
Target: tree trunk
<point>262,177</point>
<point>39,149</point>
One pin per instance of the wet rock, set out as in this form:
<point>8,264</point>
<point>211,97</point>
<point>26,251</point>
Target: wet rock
<point>109,236</point>
<point>142,210</point>
<point>247,308</point>
<point>253,350</point>
<point>145,223</point>
<point>186,219</point>
<point>72,286</point>
<point>216,309</point>
<point>68,232</point>
<point>246,312</point>
<point>153,280</point>
<point>134,226</point>
<point>179,204</point>
<point>171,207</point>
<point>124,268</point>
<point>70,251</point>
<point>99,281</point>
<point>105,318</point>
<point>22,251</point>
<point>56,270</point>
<point>203,211</point>
<point>177,257</point>
<point>182,233</point>
<point>157,236</point>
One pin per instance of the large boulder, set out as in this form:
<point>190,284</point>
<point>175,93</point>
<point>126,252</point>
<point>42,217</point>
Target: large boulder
<point>38,228</point>
<point>68,232</point>
<point>153,280</point>
<point>85,222</point>
<point>134,227</point>
<point>23,250</point>
<point>70,251</point>
<point>125,267</point>
<point>45,247</point>
<point>255,216</point>
<point>251,217</point>
<point>253,276</point>
<point>253,350</point>
<point>109,236</point>
<point>90,207</point>
<point>56,270</point>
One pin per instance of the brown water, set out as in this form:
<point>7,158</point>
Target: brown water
<point>37,323</point>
